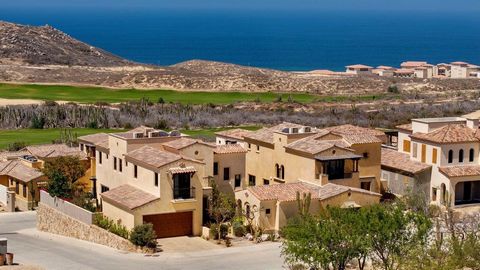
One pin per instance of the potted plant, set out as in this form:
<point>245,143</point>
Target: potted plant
<point>9,258</point>
<point>2,259</point>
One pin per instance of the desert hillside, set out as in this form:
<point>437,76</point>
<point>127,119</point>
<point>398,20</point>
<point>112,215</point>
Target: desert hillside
<point>31,54</point>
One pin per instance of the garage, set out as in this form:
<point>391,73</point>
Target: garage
<point>171,225</point>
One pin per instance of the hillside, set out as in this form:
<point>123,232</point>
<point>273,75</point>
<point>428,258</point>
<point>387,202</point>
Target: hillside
<point>45,45</point>
<point>31,54</point>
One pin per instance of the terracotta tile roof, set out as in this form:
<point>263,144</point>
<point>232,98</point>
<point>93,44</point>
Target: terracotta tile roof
<point>452,133</point>
<point>153,156</point>
<point>288,192</point>
<point>128,196</point>
<point>459,63</point>
<point>236,133</point>
<point>94,138</point>
<point>20,171</point>
<point>354,130</point>
<point>414,64</point>
<point>180,143</point>
<point>54,150</point>
<point>9,155</point>
<point>407,127</point>
<point>358,66</point>
<point>386,68</point>
<point>361,138</point>
<point>314,144</point>
<point>459,171</point>
<point>229,149</point>
<point>392,159</point>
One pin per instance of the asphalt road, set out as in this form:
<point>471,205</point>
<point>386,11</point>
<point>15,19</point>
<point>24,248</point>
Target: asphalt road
<point>56,252</point>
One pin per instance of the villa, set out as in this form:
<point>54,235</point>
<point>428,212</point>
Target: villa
<point>439,157</point>
<point>20,171</point>
<point>359,69</point>
<point>464,70</point>
<point>422,70</point>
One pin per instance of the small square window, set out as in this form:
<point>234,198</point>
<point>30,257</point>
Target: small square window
<point>266,182</point>
<point>267,211</point>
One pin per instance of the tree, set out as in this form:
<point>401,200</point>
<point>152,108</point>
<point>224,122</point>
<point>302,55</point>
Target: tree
<point>59,186</point>
<point>222,208</point>
<point>394,232</point>
<point>69,166</point>
<point>303,204</point>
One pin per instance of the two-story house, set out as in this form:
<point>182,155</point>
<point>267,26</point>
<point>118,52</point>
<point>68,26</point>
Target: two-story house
<point>445,154</point>
<point>148,175</point>
<point>337,165</point>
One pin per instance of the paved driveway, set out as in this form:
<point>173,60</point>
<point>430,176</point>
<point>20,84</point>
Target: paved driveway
<point>57,252</point>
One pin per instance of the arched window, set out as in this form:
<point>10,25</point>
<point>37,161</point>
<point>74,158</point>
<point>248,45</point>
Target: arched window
<point>282,169</point>
<point>277,170</point>
<point>460,155</point>
<point>247,210</point>
<point>471,155</point>
<point>450,156</point>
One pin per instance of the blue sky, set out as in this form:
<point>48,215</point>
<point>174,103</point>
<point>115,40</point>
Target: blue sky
<point>378,5</point>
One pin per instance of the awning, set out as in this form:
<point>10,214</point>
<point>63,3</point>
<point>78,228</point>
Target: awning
<point>337,157</point>
<point>177,170</point>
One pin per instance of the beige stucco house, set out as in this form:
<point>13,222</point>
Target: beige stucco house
<point>422,70</point>
<point>148,175</point>
<point>448,152</point>
<point>462,70</point>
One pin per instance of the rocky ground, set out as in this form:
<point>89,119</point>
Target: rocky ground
<point>46,55</point>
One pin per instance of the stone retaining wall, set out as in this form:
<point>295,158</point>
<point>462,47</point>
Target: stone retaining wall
<point>53,221</point>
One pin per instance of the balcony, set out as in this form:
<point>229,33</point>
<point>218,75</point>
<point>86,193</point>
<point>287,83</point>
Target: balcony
<point>184,193</point>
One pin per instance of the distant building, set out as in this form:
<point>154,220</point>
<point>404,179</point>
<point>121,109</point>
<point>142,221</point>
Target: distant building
<point>464,70</point>
<point>404,73</point>
<point>359,69</point>
<point>384,71</point>
<point>422,70</point>
<point>442,70</point>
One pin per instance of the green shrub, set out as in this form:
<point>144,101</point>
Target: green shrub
<point>119,230</point>
<point>111,226</point>
<point>393,89</point>
<point>143,235</point>
<point>214,232</point>
<point>16,146</point>
<point>37,122</point>
<point>238,229</point>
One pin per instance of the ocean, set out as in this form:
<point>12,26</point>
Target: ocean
<point>278,39</point>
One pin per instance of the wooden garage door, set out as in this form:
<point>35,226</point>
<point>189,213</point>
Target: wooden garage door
<point>170,225</point>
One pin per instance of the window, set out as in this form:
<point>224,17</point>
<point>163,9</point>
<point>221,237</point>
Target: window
<point>17,187</point>
<point>126,163</point>
<point>471,155</point>
<point>24,191</point>
<point>251,180</point>
<point>238,180</point>
<point>81,147</point>
<point>406,146</point>
<point>460,155</point>
<point>100,157</point>
<point>450,156</point>
<point>120,164</point>
<point>434,194</point>
<point>103,189</point>
<point>215,168</point>
<point>247,210</point>
<point>434,155</point>
<point>282,170</point>
<point>114,163</point>
<point>267,211</point>
<point>365,185</point>
<point>424,153</point>
<point>181,186</point>
<point>226,173</point>
<point>135,171</point>
<point>156,179</point>
<point>277,170</point>
<point>414,152</point>
<point>266,182</point>
<point>258,147</point>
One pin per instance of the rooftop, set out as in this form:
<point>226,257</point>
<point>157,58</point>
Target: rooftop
<point>358,66</point>
<point>94,138</point>
<point>402,162</point>
<point>459,171</point>
<point>180,143</point>
<point>414,64</point>
<point>229,149</point>
<point>288,192</point>
<point>266,134</point>
<point>128,196</point>
<point>236,133</point>
<point>452,133</point>
<point>407,127</point>
<point>438,120</point>
<point>54,150</point>
<point>153,156</point>
<point>16,169</point>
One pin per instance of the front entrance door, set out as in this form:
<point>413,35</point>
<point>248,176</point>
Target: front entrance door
<point>467,191</point>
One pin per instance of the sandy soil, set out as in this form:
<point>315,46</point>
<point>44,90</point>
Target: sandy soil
<point>7,102</point>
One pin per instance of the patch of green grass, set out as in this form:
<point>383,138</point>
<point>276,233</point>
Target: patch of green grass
<point>42,136</point>
<point>98,94</point>
<point>210,132</point>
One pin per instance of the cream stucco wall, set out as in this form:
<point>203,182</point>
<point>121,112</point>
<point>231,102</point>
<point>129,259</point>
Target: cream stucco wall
<point>236,164</point>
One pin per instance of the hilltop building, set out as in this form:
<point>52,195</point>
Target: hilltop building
<point>359,69</point>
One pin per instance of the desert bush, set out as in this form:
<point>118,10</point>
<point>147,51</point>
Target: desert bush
<point>108,224</point>
<point>238,229</point>
<point>16,146</point>
<point>143,235</point>
<point>214,230</point>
